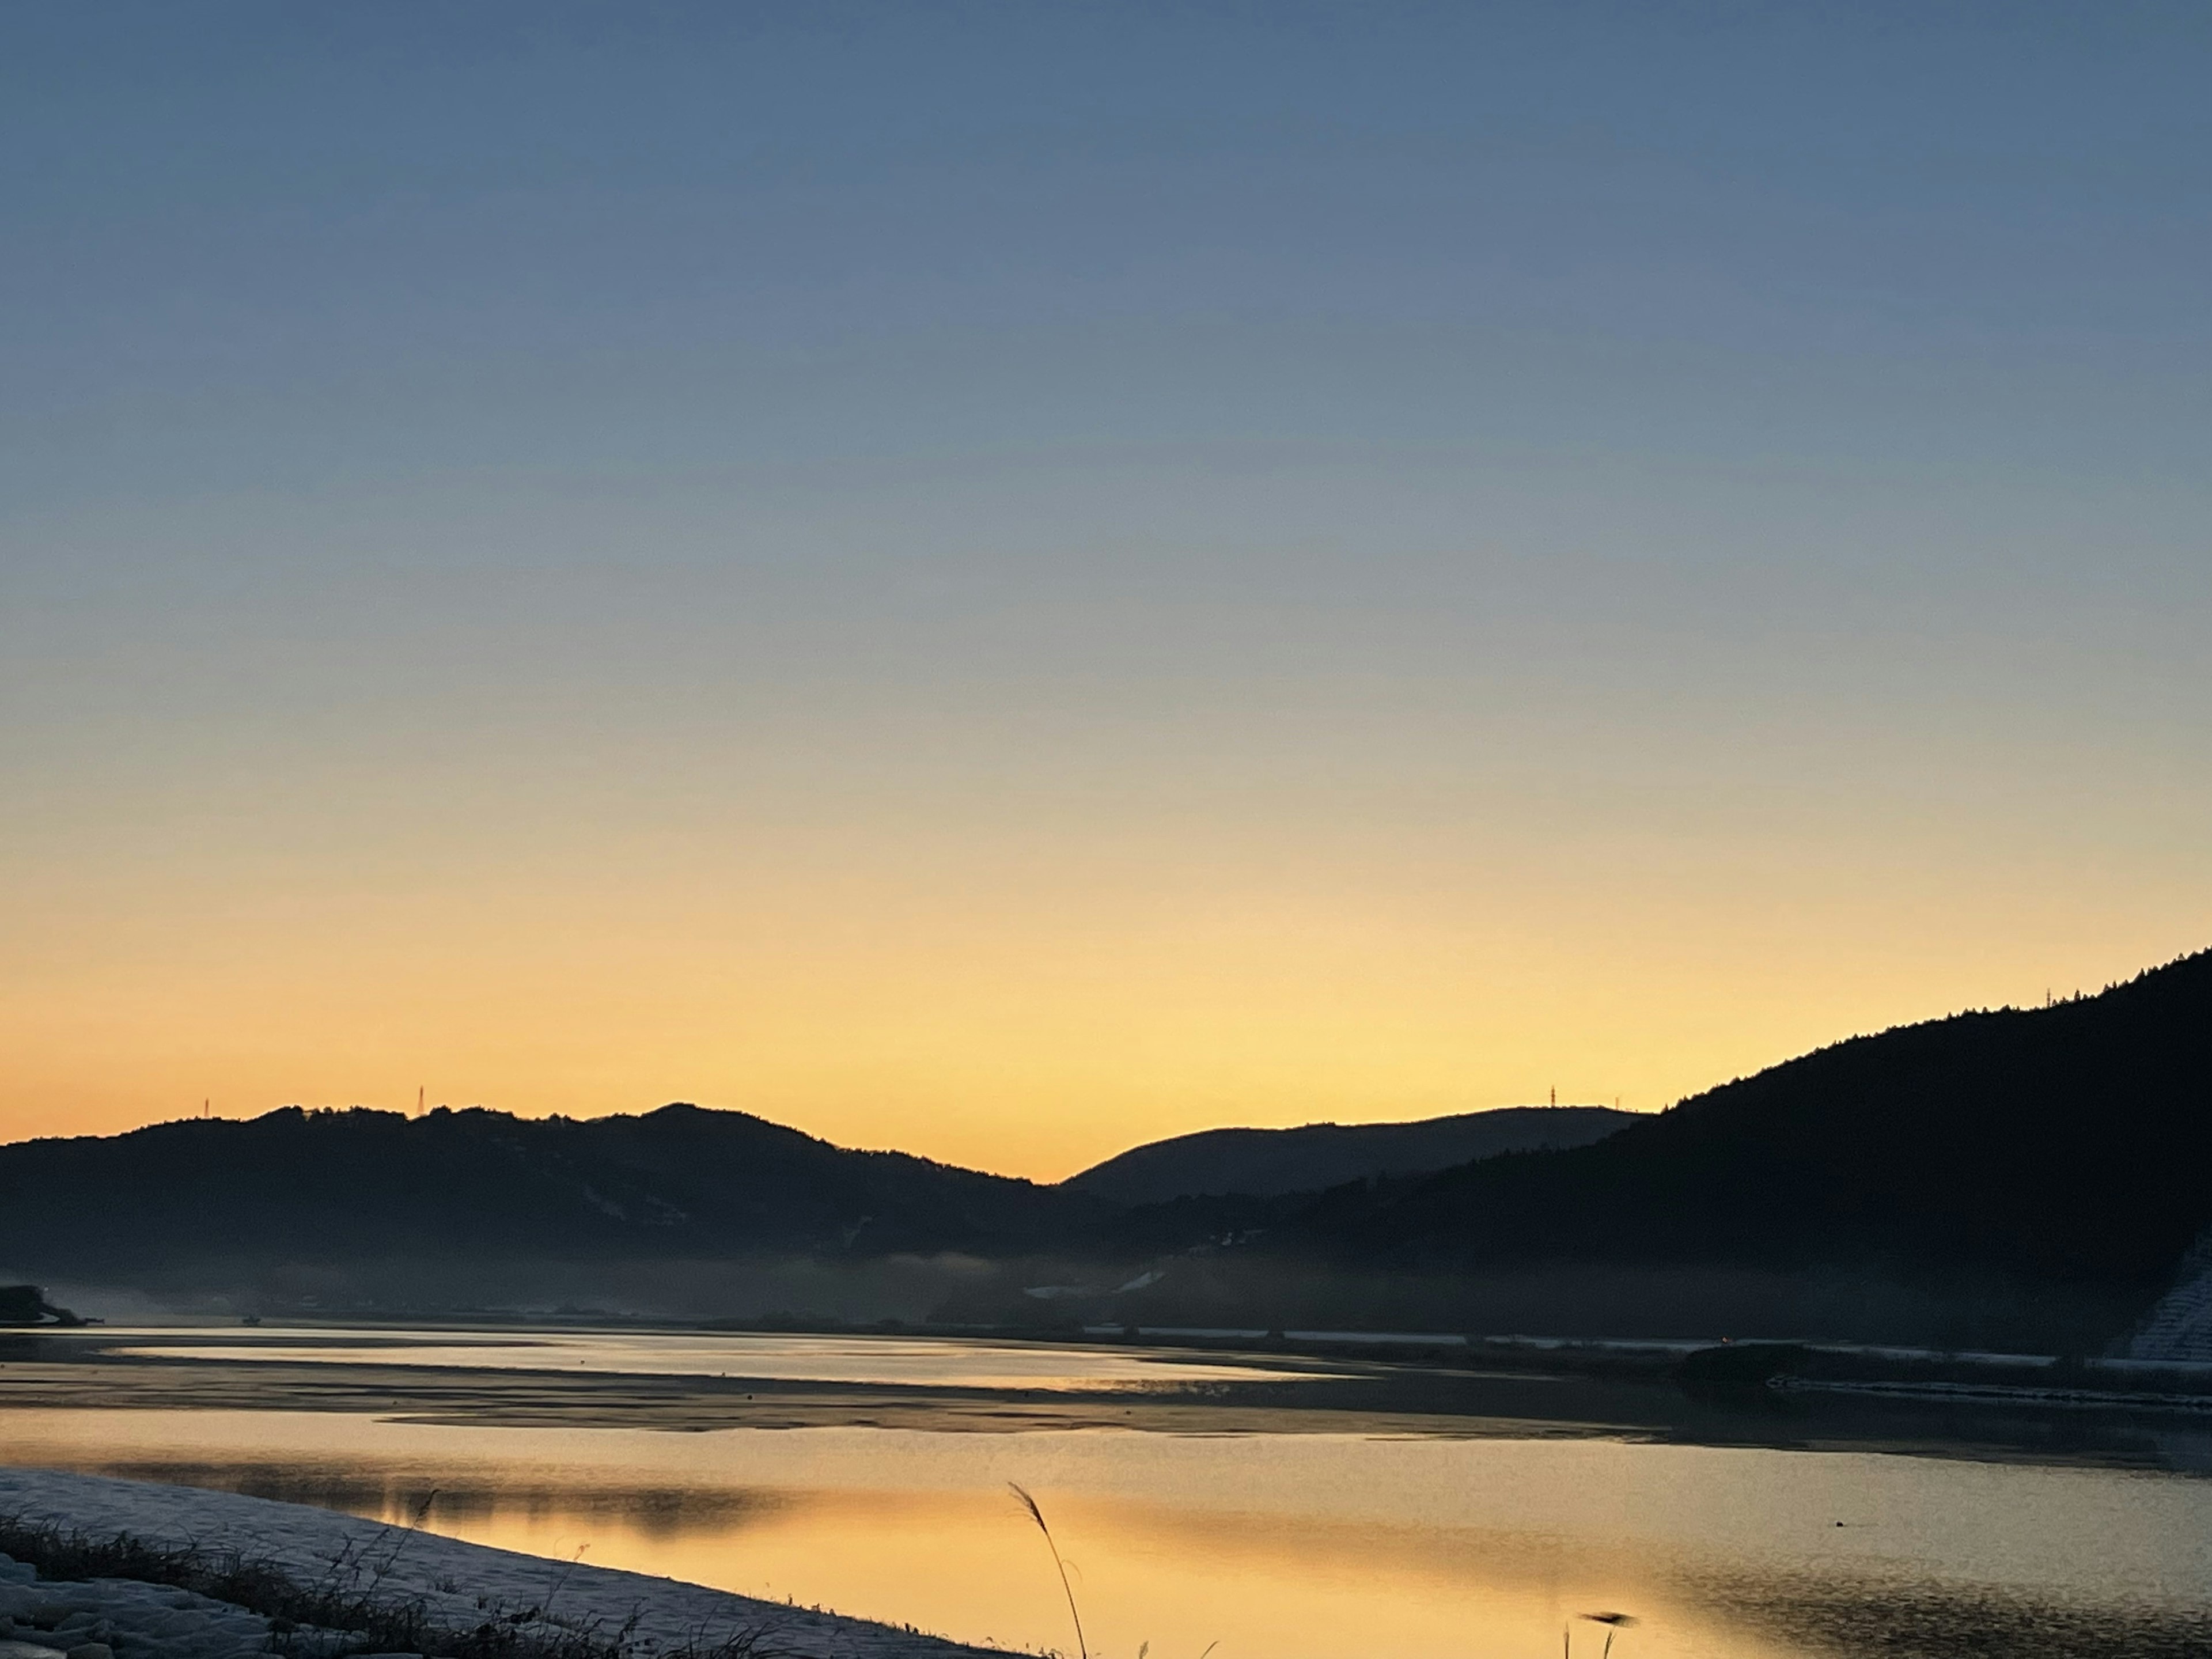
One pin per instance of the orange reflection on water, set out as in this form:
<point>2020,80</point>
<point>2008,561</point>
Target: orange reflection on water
<point>970,1564</point>
<point>1297,1547</point>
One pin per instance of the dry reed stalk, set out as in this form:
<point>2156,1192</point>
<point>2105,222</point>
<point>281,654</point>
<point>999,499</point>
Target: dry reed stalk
<point>1037,1516</point>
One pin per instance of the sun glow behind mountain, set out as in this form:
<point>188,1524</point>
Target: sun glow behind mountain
<point>1007,589</point>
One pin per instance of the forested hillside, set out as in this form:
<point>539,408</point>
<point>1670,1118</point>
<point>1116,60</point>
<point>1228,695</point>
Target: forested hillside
<point>2066,1144</point>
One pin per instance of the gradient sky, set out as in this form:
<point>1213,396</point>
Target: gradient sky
<point>1007,580</point>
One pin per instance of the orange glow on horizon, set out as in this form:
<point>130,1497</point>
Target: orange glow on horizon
<point>1029,1020</point>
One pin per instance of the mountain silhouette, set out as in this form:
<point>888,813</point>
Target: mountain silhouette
<point>1269,1163</point>
<point>2033,1173</point>
<point>680,1182</point>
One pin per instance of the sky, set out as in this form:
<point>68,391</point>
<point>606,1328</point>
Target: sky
<point>1008,580</point>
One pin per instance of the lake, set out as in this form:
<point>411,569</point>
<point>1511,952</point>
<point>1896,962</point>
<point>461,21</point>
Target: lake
<point>1309,1544</point>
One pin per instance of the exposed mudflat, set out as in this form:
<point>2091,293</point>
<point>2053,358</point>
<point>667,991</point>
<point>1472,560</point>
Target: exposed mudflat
<point>1185,1392</point>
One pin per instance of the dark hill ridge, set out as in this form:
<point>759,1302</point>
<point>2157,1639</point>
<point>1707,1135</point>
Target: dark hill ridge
<point>2067,1145</point>
<point>332,1185</point>
<point>2037,1160</point>
<point>1269,1163</point>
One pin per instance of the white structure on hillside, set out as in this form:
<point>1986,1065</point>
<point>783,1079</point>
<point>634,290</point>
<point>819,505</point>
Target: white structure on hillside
<point>2180,1327</point>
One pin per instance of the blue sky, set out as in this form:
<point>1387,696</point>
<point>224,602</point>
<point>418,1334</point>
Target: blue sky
<point>370,244</point>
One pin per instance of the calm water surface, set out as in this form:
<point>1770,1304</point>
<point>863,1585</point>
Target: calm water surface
<point>1276,1547</point>
<point>918,1361</point>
